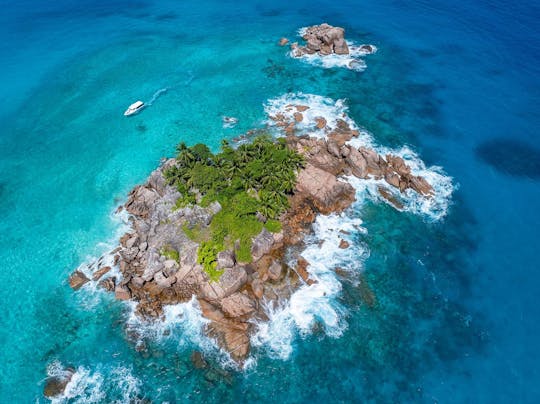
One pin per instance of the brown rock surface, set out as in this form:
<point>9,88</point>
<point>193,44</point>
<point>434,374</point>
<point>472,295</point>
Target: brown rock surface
<point>122,293</point>
<point>77,280</point>
<point>274,270</point>
<point>327,193</point>
<point>108,284</point>
<point>257,288</point>
<point>386,194</point>
<point>323,39</point>
<point>301,270</point>
<point>56,385</point>
<point>320,122</point>
<point>237,305</point>
<point>100,272</point>
<point>344,244</point>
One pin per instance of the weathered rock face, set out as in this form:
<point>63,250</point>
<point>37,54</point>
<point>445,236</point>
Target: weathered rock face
<point>324,189</point>
<point>77,280</point>
<point>274,271</point>
<point>140,201</point>
<point>231,334</point>
<point>56,385</point>
<point>230,281</point>
<point>237,305</point>
<point>108,284</point>
<point>226,259</point>
<point>323,39</point>
<point>100,272</point>
<point>262,244</point>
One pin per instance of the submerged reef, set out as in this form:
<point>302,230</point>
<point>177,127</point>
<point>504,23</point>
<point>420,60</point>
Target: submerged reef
<point>229,229</point>
<point>511,157</point>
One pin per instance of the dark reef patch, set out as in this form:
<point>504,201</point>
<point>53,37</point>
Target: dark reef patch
<point>166,17</point>
<point>270,13</point>
<point>512,157</point>
<point>141,127</point>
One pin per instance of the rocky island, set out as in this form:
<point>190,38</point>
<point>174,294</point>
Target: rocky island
<point>228,228</point>
<point>324,40</point>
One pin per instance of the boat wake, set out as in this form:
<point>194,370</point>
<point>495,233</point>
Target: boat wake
<point>156,95</point>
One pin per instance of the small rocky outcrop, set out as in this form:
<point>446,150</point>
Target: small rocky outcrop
<point>322,39</point>
<point>327,193</point>
<point>56,385</point>
<point>77,280</point>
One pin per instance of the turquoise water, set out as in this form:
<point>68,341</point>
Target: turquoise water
<point>454,318</point>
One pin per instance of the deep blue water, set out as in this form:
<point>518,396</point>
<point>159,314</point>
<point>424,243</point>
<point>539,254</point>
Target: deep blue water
<point>454,313</point>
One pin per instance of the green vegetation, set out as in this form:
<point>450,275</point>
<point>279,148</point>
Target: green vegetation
<point>170,253</point>
<point>253,178</point>
<point>273,226</point>
<point>207,258</point>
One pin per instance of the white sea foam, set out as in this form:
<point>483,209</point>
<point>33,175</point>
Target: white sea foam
<point>182,321</point>
<point>352,61</point>
<point>319,107</point>
<point>317,303</point>
<point>129,385</point>
<point>91,386</point>
<point>156,95</point>
<point>90,293</point>
<point>431,209</point>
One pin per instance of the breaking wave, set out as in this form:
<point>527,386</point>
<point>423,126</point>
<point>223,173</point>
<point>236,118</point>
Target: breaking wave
<point>317,304</point>
<point>104,384</point>
<point>182,319</point>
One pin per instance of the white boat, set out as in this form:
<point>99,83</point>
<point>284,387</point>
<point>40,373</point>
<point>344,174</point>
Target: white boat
<point>134,108</point>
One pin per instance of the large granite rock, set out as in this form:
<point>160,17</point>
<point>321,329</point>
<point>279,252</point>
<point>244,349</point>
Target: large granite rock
<point>56,385</point>
<point>77,280</point>
<point>323,39</point>
<point>237,305</point>
<point>274,270</point>
<point>262,244</point>
<point>232,335</point>
<point>327,193</point>
<point>230,281</point>
<point>140,201</point>
<point>226,259</point>
<point>357,163</point>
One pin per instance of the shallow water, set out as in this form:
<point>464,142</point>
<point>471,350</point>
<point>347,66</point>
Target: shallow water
<point>425,310</point>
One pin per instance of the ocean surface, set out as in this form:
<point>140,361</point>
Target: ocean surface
<point>433,304</point>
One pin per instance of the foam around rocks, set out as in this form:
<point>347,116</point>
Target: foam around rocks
<point>351,61</point>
